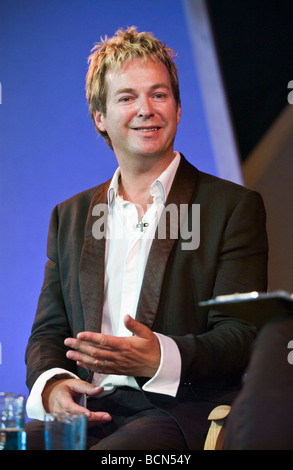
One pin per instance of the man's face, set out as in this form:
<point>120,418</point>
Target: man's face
<point>142,115</point>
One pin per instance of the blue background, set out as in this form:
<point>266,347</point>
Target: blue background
<point>49,149</point>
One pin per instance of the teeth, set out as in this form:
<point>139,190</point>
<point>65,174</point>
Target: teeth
<point>147,129</point>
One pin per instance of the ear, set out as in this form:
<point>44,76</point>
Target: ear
<point>100,120</point>
<point>178,114</point>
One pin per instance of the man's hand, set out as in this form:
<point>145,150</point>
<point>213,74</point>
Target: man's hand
<point>60,396</point>
<point>135,356</point>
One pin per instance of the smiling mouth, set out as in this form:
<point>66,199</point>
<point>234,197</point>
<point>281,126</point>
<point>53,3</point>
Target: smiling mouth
<point>147,129</point>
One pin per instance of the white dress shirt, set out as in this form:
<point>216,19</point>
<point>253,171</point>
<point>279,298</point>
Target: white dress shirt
<point>127,249</point>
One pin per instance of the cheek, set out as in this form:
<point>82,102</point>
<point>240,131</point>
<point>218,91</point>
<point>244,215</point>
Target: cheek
<point>116,128</point>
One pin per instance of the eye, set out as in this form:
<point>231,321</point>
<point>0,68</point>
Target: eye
<point>159,95</point>
<point>125,99</point>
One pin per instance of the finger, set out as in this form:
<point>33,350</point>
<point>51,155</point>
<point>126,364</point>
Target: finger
<point>137,328</point>
<point>95,391</point>
<point>87,388</point>
<point>99,367</point>
<point>98,362</point>
<point>98,416</point>
<point>87,353</point>
<point>84,345</point>
<point>102,342</point>
<point>74,408</point>
<point>97,339</point>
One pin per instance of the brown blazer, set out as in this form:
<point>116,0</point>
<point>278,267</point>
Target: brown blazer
<point>231,257</point>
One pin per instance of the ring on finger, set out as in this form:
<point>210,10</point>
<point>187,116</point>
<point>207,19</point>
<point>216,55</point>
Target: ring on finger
<point>98,364</point>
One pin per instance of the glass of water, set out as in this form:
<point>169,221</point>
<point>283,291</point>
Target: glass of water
<point>12,434</point>
<point>64,431</point>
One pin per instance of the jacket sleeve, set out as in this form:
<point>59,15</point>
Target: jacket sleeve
<point>45,349</point>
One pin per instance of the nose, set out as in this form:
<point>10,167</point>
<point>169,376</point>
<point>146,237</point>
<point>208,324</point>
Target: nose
<point>145,109</point>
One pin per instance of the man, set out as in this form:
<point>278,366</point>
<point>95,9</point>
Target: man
<point>118,317</point>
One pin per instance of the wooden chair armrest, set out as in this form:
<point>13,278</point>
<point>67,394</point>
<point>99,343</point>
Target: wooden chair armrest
<point>217,417</point>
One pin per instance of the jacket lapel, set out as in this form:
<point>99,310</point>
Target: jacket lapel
<point>180,195</point>
<point>92,264</point>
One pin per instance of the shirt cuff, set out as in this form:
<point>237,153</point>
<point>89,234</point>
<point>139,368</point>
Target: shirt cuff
<point>167,378</point>
<point>34,405</point>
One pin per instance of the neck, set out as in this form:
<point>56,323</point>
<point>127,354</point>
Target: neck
<point>135,182</point>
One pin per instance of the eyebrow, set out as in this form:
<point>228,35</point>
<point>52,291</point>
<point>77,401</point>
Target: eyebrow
<point>131,90</point>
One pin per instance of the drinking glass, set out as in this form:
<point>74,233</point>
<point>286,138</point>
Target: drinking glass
<point>64,431</point>
<point>12,434</point>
